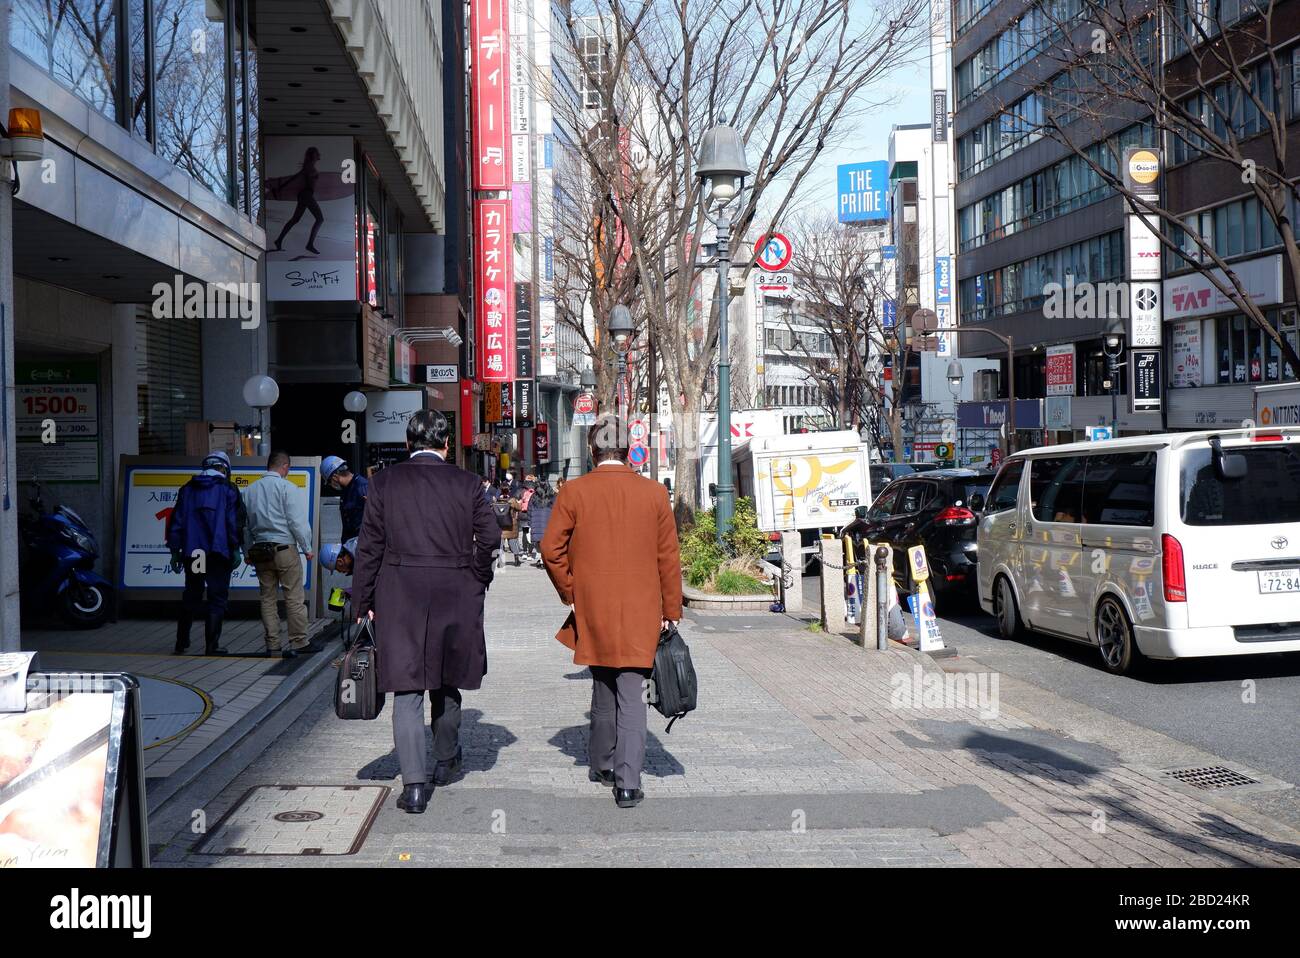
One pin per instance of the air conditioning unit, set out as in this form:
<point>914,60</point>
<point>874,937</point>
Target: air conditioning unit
<point>986,385</point>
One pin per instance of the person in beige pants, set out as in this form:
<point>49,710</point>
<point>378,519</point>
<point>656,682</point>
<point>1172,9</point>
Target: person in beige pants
<point>277,529</point>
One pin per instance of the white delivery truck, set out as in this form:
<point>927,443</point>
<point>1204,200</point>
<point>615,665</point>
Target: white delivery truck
<point>1277,405</point>
<point>807,481</point>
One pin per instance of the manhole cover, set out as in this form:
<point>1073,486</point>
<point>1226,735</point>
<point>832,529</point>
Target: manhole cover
<point>169,709</point>
<point>1211,777</point>
<point>297,820</point>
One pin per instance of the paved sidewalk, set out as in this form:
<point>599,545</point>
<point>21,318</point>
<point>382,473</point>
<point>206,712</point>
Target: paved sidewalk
<point>805,751</point>
<point>191,702</point>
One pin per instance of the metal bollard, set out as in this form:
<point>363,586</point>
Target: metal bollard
<point>884,590</point>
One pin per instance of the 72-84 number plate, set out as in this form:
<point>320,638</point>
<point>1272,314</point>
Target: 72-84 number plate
<point>1279,580</point>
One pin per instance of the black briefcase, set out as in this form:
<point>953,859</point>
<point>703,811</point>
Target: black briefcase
<point>673,677</point>
<point>356,688</point>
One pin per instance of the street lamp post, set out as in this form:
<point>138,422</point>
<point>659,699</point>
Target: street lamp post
<point>1112,344</point>
<point>261,393</point>
<point>620,331</point>
<point>722,169</point>
<point>355,402</point>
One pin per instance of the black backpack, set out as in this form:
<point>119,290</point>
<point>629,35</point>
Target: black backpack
<point>501,509</point>
<point>673,677</point>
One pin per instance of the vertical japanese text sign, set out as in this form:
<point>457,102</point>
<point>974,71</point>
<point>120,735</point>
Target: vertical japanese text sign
<point>494,282</point>
<point>490,103</point>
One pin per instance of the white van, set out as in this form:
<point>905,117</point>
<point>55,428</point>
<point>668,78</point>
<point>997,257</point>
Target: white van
<point>1166,546</point>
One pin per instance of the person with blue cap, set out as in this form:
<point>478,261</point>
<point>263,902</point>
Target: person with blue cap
<point>204,535</point>
<point>353,490</point>
<point>339,558</point>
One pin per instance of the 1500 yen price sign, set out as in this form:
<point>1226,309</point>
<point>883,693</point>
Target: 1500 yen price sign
<point>74,407</point>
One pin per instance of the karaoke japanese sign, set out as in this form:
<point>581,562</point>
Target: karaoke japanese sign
<point>494,291</point>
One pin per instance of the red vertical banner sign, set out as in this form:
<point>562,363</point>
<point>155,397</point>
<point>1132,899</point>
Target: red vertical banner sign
<point>490,94</point>
<point>494,283</point>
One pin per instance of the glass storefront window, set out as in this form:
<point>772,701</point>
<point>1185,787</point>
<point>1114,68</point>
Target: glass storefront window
<point>74,41</point>
<point>183,80</point>
<point>190,90</point>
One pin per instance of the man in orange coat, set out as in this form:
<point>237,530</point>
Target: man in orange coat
<point>611,551</point>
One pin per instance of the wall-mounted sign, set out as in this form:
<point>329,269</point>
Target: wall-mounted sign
<point>441,373</point>
<point>939,116</point>
<point>1143,247</point>
<point>67,394</point>
<point>942,280</point>
<point>1144,380</point>
<point>862,191</point>
<point>1144,325</point>
<point>1057,411</point>
<point>1142,172</point>
<point>1185,354</point>
<point>388,411</point>
<point>494,289</point>
<point>541,443</point>
<point>1194,294</point>
<point>523,404</point>
<point>524,330</point>
<point>548,344</point>
<point>310,186</point>
<point>992,414</point>
<point>489,30</point>
<point>1060,370</point>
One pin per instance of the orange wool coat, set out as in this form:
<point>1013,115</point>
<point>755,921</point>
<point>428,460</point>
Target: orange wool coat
<point>611,551</point>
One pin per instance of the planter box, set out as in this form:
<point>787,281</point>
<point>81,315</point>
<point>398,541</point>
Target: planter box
<point>693,598</point>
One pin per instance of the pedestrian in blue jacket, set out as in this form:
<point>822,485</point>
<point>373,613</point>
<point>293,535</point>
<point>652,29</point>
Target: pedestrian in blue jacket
<point>204,536</point>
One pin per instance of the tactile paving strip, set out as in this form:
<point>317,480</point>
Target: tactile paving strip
<point>297,820</point>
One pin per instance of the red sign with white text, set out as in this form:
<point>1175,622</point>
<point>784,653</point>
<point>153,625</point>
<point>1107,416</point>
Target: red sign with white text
<point>494,283</point>
<point>490,94</point>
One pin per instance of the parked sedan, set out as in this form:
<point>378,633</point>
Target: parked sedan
<point>933,509</point>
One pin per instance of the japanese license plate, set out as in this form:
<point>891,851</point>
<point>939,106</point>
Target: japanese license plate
<point>1279,580</point>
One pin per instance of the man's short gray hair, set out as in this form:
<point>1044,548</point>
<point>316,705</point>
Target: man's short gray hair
<point>428,429</point>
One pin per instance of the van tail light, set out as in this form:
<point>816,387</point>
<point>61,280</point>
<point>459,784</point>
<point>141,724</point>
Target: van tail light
<point>1171,562</point>
<point>955,516</point>
<point>1266,437</point>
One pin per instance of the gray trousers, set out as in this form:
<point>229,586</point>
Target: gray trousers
<point>618,720</point>
<point>408,730</point>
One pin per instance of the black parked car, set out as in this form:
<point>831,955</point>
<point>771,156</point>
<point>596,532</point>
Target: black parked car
<point>883,473</point>
<point>933,509</point>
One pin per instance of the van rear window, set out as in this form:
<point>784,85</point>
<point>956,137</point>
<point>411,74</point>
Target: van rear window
<point>1268,493</point>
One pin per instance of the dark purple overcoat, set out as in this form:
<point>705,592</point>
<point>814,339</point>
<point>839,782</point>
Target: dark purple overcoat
<point>423,564</point>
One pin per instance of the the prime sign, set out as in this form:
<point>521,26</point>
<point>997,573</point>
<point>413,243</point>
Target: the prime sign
<point>862,192</point>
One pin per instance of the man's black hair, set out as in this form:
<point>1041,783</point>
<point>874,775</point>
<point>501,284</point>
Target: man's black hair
<point>277,459</point>
<point>427,429</point>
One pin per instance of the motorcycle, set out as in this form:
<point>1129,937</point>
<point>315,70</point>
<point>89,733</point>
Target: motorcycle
<point>58,565</point>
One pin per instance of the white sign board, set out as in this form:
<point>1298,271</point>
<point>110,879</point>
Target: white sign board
<point>442,373</point>
<point>1185,354</point>
<point>1143,247</point>
<point>1144,314</point>
<point>775,282</point>
<point>148,497</point>
<point>388,412</point>
<point>1194,294</point>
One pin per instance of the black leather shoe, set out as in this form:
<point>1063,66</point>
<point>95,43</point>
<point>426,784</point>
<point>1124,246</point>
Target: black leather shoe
<point>415,798</point>
<point>444,772</point>
<point>603,778</point>
<point>311,648</point>
<point>628,797</point>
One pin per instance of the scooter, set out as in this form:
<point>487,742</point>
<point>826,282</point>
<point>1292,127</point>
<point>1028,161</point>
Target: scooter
<point>58,566</point>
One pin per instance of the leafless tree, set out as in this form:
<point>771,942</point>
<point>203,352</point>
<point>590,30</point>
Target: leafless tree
<point>1223,99</point>
<point>789,75</point>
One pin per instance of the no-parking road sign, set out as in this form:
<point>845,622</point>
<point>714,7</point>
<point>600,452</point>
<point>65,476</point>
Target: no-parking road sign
<point>774,252</point>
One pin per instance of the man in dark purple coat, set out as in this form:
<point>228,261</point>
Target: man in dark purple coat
<point>423,565</point>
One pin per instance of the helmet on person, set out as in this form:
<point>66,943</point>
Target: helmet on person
<point>331,465</point>
<point>329,555</point>
<point>218,460</point>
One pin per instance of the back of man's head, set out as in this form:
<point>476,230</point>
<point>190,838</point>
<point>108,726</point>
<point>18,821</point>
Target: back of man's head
<point>279,460</point>
<point>608,439</point>
<point>427,429</point>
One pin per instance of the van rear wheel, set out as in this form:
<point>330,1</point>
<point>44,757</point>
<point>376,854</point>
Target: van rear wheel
<point>1119,652</point>
<point>1005,611</point>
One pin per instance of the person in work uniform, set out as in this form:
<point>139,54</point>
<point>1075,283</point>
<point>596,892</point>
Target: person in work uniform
<point>353,490</point>
<point>204,535</point>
